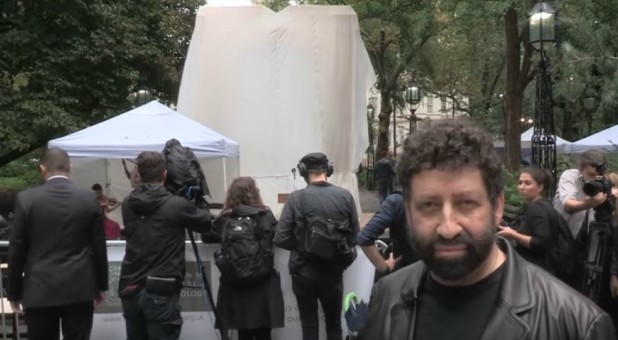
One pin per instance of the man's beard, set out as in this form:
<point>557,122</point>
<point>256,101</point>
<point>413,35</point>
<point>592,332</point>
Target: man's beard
<point>452,269</point>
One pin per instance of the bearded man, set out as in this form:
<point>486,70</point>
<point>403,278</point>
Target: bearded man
<point>469,284</point>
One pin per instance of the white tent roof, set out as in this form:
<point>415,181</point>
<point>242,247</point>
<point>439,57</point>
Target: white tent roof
<point>562,145</point>
<point>527,137</point>
<point>145,128</point>
<point>606,140</point>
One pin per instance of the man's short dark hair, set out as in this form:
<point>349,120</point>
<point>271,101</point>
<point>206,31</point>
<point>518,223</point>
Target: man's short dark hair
<point>593,158</point>
<point>97,187</point>
<point>448,145</point>
<point>56,160</point>
<point>151,167</point>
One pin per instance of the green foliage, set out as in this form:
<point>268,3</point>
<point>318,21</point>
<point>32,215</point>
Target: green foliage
<point>21,173</point>
<point>511,193</point>
<point>13,183</point>
<point>67,64</point>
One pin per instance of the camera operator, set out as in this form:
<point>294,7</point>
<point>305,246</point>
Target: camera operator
<point>570,200</point>
<point>153,268</point>
<point>585,199</point>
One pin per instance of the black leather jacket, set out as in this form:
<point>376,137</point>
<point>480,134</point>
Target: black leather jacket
<point>533,306</point>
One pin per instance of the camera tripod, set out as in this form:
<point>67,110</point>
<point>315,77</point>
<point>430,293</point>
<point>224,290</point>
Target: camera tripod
<point>195,197</point>
<point>598,253</point>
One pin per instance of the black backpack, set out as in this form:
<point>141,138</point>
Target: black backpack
<point>324,240</point>
<point>246,254</point>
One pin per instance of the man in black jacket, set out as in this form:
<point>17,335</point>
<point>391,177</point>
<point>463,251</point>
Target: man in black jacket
<point>391,215</point>
<point>153,268</point>
<point>385,175</point>
<point>312,279</point>
<point>468,284</point>
<point>57,254</point>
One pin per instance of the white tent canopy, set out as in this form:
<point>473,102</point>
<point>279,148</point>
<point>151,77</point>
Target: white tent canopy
<point>562,145</point>
<point>145,128</point>
<point>606,140</point>
<point>96,152</point>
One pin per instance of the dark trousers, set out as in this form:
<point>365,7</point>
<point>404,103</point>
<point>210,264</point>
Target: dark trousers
<point>330,294</point>
<point>152,316</point>
<point>254,334</point>
<point>75,320</point>
<point>385,187</point>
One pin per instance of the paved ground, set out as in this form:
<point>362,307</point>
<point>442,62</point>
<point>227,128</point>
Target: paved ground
<point>369,202</point>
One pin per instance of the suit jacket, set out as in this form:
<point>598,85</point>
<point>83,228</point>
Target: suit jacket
<point>57,251</point>
<point>532,305</point>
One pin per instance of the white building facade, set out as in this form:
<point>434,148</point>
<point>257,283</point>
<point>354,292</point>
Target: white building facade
<point>430,108</point>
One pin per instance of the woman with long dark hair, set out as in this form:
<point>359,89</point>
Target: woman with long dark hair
<point>538,232</point>
<point>253,309</point>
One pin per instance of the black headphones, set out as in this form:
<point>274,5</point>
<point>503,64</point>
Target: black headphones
<point>302,169</point>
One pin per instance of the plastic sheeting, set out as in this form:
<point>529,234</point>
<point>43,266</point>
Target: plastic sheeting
<point>282,85</point>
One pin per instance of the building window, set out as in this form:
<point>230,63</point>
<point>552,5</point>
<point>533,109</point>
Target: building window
<point>429,104</point>
<point>443,104</point>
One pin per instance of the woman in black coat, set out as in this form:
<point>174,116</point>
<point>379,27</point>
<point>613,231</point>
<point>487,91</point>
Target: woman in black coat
<point>538,232</point>
<point>253,309</point>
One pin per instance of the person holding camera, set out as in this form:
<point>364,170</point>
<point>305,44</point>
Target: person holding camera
<point>319,226</point>
<point>570,200</point>
<point>153,268</point>
<point>584,198</point>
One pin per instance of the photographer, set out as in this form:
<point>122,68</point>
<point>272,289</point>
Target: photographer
<point>570,200</point>
<point>584,198</point>
<point>153,268</point>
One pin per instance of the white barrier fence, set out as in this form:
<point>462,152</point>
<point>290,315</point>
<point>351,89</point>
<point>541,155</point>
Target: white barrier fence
<point>197,314</point>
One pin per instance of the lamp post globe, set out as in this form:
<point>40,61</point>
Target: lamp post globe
<point>412,96</point>
<point>542,25</point>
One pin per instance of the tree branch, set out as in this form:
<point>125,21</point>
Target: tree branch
<point>15,154</point>
<point>402,66</point>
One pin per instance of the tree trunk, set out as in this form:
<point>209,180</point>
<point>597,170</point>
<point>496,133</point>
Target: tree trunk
<point>512,131</point>
<point>514,92</point>
<point>384,123</point>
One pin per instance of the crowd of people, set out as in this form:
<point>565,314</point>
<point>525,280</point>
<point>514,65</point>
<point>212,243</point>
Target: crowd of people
<point>455,270</point>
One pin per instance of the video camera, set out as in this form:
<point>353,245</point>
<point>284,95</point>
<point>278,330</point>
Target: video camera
<point>599,245</point>
<point>603,212</point>
<point>184,173</point>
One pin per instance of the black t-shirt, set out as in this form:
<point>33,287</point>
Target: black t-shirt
<point>457,313</point>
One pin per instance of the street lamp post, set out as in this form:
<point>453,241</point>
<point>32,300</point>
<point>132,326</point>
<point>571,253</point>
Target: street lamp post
<point>413,98</point>
<point>542,34</point>
<point>590,104</point>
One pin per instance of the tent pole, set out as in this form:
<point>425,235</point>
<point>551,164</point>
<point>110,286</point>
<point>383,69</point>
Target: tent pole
<point>107,184</point>
<point>224,173</point>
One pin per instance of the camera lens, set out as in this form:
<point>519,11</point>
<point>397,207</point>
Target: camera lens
<point>591,188</point>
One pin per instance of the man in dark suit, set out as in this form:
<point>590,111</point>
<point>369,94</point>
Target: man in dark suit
<point>57,257</point>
